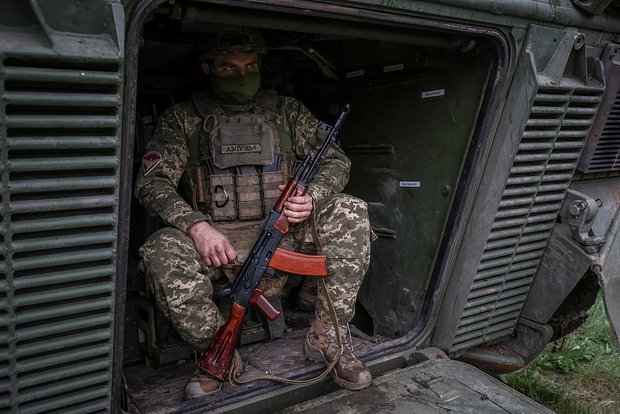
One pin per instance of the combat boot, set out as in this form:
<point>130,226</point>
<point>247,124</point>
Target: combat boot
<point>321,346</point>
<point>201,383</point>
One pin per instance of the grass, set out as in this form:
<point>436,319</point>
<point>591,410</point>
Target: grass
<point>579,374</point>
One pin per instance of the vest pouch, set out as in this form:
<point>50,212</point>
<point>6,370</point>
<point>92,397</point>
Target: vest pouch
<point>243,140</point>
<point>194,187</point>
<point>271,181</point>
<point>196,178</point>
<point>223,197</point>
<point>249,193</point>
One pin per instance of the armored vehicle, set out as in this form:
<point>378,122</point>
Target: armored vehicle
<point>484,136</point>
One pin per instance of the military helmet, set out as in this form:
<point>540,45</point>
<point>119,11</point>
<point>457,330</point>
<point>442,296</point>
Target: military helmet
<point>248,40</point>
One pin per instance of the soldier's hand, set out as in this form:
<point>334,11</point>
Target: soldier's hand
<point>214,248</point>
<point>298,207</point>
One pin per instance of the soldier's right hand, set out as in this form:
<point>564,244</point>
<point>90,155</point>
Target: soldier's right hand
<point>214,248</point>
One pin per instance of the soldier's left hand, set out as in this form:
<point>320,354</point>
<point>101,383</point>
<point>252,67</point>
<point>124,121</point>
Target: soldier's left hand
<point>298,207</point>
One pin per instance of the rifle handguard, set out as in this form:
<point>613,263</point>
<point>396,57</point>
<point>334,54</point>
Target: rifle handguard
<point>292,188</point>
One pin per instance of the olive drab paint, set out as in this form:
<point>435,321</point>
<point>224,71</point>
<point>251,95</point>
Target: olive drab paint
<point>61,81</point>
<point>483,151</point>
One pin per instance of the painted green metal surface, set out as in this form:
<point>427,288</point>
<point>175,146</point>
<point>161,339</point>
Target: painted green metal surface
<point>435,386</point>
<point>556,96</point>
<point>407,152</point>
<point>59,141</point>
<point>61,84</point>
<point>501,13</point>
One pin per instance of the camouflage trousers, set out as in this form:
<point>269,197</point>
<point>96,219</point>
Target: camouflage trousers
<point>181,281</point>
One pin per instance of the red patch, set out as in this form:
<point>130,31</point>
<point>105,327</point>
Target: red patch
<point>150,160</point>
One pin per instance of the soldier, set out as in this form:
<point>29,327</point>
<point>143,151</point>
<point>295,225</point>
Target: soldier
<point>234,149</point>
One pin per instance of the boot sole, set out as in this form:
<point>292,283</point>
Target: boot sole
<point>315,354</point>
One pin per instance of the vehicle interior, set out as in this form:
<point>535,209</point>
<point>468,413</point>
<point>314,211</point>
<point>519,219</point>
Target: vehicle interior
<point>418,92</point>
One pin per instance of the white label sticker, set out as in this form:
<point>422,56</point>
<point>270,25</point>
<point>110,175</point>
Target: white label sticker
<point>355,74</point>
<point>409,184</point>
<point>393,68</point>
<point>433,93</point>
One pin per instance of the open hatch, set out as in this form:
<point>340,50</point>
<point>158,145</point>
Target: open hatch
<point>419,92</point>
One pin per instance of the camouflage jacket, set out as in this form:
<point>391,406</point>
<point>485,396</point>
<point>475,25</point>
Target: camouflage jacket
<point>167,157</point>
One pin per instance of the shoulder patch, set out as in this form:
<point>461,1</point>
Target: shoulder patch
<point>150,160</point>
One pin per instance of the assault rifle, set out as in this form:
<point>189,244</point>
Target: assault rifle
<point>263,258</point>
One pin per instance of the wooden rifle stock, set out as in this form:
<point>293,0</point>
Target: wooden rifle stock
<point>216,360</point>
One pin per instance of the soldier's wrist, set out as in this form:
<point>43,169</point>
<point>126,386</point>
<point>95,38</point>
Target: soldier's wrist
<point>197,228</point>
<point>190,220</point>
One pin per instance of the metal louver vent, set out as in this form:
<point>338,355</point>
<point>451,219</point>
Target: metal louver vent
<point>602,151</point>
<point>542,168</point>
<point>59,211</point>
<point>606,157</point>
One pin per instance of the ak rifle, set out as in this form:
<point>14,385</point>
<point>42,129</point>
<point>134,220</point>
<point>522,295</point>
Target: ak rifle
<point>265,257</point>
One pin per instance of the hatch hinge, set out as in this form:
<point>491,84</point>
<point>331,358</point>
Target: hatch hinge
<point>580,212</point>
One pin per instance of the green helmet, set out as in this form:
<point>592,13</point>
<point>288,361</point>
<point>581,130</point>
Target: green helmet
<point>248,40</point>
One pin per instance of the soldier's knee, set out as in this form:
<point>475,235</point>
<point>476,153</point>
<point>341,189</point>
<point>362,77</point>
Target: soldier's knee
<point>344,213</point>
<point>164,244</point>
<point>164,236</point>
<point>162,240</point>
<point>357,204</point>
<point>346,202</point>
<point>349,207</point>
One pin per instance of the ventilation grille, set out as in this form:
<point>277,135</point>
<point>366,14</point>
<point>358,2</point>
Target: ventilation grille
<point>539,177</point>
<point>603,155</point>
<point>59,200</point>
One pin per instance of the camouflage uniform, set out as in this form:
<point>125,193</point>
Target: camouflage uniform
<point>178,276</point>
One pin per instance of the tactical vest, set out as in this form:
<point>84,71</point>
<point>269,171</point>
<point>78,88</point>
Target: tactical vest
<point>237,161</point>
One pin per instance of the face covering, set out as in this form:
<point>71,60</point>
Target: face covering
<point>236,93</point>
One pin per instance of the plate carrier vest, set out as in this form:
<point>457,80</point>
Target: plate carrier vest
<point>237,161</point>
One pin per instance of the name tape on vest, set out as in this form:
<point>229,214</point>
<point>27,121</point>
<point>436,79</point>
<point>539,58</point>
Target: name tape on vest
<point>240,148</point>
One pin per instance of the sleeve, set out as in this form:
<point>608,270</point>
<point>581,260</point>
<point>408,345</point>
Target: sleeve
<point>333,173</point>
<point>163,165</point>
